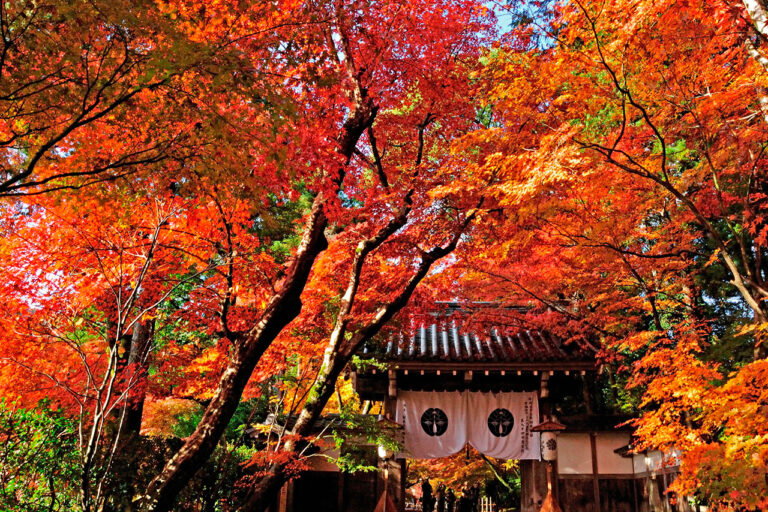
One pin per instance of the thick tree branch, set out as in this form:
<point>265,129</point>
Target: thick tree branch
<point>759,14</point>
<point>280,310</point>
<point>338,353</point>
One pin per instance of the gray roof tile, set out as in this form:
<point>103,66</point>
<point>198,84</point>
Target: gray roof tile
<point>446,342</point>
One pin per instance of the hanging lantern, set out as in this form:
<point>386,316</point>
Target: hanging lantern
<point>549,430</point>
<point>549,446</point>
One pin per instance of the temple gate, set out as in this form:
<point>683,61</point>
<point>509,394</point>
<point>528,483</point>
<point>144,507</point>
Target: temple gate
<point>491,365</point>
<point>444,383</point>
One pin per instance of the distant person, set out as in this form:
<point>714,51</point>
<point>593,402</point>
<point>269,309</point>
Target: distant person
<point>474,497</point>
<point>450,500</point>
<point>427,501</point>
<point>464,504</point>
<point>440,497</point>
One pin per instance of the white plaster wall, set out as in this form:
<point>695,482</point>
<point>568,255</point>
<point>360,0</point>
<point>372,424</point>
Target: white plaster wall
<point>574,454</point>
<point>608,462</point>
<point>638,460</point>
<point>653,461</point>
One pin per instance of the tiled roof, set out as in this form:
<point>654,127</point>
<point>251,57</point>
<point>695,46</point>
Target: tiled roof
<point>447,343</point>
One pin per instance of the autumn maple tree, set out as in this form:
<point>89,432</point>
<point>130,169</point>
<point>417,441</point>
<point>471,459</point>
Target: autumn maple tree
<point>627,146</point>
<point>333,119</point>
<point>220,203</point>
<point>78,92</point>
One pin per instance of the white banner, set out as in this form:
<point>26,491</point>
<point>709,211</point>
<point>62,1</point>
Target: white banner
<point>439,423</point>
<point>499,424</point>
<point>433,421</point>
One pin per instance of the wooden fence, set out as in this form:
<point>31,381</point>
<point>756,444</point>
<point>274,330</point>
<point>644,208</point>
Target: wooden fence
<point>486,505</point>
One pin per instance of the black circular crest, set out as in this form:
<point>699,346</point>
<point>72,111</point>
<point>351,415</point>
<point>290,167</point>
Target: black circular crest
<point>500,422</point>
<point>434,422</point>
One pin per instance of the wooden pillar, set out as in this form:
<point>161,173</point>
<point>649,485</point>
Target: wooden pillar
<point>391,478</point>
<point>595,477</point>
<point>282,500</point>
<point>665,481</point>
<point>550,502</point>
<point>533,473</point>
<point>533,485</point>
<point>390,407</point>
<point>289,488</point>
<point>340,503</point>
<point>545,406</point>
<point>390,401</point>
<point>403,479</point>
<point>393,482</point>
<point>586,394</point>
<point>635,497</point>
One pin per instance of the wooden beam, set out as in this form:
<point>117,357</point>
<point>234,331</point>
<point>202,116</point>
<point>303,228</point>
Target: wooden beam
<point>609,476</point>
<point>544,366</point>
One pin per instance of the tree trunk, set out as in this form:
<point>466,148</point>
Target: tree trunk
<point>337,355</point>
<point>267,488</point>
<point>282,308</point>
<point>138,364</point>
<point>757,11</point>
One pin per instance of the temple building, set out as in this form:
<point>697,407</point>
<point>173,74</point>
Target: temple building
<point>445,383</point>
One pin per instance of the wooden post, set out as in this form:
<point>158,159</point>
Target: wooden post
<point>401,483</point>
<point>550,502</point>
<point>595,480</point>
<point>340,495</point>
<point>548,431</point>
<point>586,395</point>
<point>534,488</point>
<point>392,387</point>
